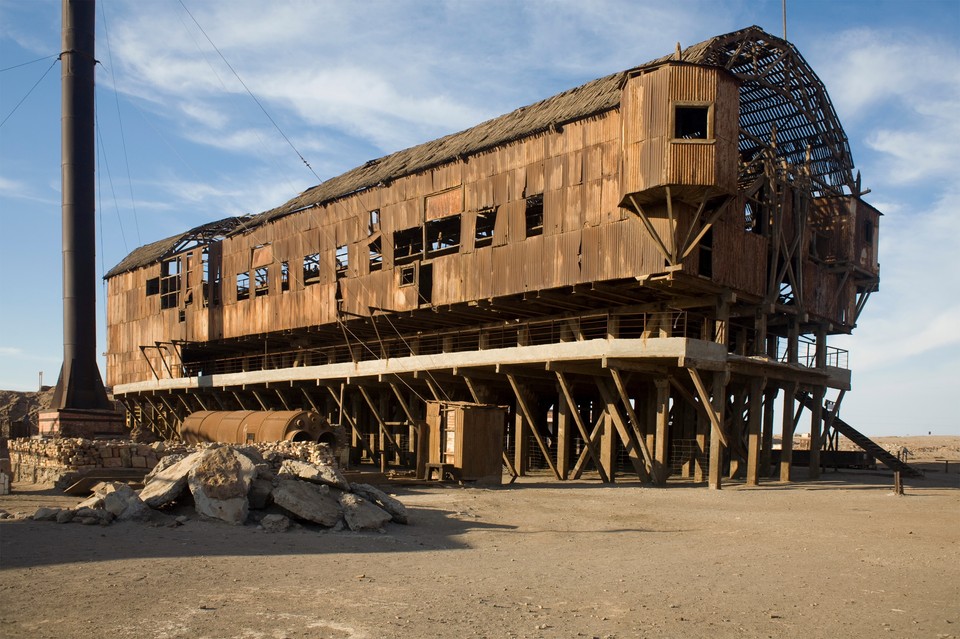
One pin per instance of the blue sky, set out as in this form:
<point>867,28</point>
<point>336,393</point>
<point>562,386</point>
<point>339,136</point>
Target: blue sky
<point>182,143</point>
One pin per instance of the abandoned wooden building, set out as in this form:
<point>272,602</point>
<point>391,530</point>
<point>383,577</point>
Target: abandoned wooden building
<point>638,270</point>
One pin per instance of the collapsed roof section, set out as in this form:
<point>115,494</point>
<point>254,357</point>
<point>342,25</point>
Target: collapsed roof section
<point>156,251</point>
<point>784,108</point>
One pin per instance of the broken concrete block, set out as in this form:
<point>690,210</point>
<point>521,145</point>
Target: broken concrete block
<point>167,485</point>
<point>118,499</point>
<point>361,514</point>
<point>219,483</point>
<point>46,514</point>
<point>316,473</point>
<point>275,523</point>
<point>163,464</point>
<point>398,512</point>
<point>308,501</point>
<point>66,515</point>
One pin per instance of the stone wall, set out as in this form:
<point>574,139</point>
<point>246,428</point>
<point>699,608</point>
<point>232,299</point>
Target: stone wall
<point>61,460</point>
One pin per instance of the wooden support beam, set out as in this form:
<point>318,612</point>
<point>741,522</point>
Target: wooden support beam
<point>344,415</point>
<point>786,434</point>
<point>283,400</point>
<point>626,435</point>
<point>585,453</point>
<point>717,441</point>
<point>528,416</point>
<point>561,414</point>
<point>658,241</point>
<point>715,416</point>
<point>421,430</point>
<point>661,463</point>
<point>754,419</point>
<point>766,444</point>
<point>571,405</point>
<point>384,432</point>
<point>259,399</point>
<point>632,415</point>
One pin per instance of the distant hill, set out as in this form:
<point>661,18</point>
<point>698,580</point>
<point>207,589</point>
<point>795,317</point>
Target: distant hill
<point>17,406</point>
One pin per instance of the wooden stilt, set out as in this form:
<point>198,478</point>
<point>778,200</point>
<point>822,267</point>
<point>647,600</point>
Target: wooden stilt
<point>786,435</point>
<point>754,418</point>
<point>564,436</point>
<point>661,463</point>
<point>716,433</point>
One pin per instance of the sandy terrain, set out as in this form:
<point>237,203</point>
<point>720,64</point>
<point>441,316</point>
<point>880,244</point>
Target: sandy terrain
<point>840,557</point>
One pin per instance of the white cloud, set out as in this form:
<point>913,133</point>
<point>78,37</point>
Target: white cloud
<point>900,92</point>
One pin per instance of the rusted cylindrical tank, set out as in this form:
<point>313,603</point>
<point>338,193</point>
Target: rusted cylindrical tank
<point>249,426</point>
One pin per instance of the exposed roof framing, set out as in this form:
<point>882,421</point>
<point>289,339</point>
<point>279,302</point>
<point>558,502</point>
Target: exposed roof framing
<point>778,89</point>
<point>155,251</point>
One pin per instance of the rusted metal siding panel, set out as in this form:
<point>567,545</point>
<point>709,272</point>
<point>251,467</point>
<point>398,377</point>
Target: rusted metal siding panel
<point>532,257</point>
<point>592,202</point>
<point>691,163</point>
<point>572,204</point>
<point>447,284</point>
<point>553,212</point>
<point>591,264</point>
<point>739,257</point>
<point>445,203</point>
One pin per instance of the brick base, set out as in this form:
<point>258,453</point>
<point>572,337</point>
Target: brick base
<point>90,424</point>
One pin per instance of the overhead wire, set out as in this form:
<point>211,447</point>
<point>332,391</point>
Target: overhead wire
<point>123,140</point>
<point>23,64</point>
<point>250,93</point>
<point>35,85</point>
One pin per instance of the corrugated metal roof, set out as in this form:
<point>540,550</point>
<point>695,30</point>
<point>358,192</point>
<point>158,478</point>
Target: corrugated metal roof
<point>778,87</point>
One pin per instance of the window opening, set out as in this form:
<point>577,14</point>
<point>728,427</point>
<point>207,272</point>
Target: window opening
<point>376,256</point>
<point>374,221</point>
<point>705,267</point>
<point>284,276</point>
<point>243,286</point>
<point>443,235</point>
<point>691,122</point>
<point>868,232</point>
<point>205,276</point>
<point>486,221</point>
<point>261,281</point>
<point>311,269</point>
<point>407,245</point>
<point>408,275</point>
<point>342,258</point>
<point>170,283</point>
<point>153,286</point>
<point>534,215</point>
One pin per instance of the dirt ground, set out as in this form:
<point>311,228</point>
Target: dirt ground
<point>839,557</point>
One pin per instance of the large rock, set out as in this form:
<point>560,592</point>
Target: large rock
<point>219,483</point>
<point>167,485</point>
<point>275,523</point>
<point>398,512</point>
<point>361,514</point>
<point>162,465</point>
<point>316,473</point>
<point>46,514</point>
<point>308,501</point>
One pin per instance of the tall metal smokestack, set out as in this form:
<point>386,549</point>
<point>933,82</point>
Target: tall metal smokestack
<point>80,385</point>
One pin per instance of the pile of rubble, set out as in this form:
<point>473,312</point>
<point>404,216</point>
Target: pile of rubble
<point>240,484</point>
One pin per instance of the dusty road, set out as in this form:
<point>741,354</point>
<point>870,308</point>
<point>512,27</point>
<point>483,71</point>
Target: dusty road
<point>841,557</point>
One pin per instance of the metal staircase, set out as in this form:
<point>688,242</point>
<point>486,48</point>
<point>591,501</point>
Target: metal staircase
<point>861,440</point>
